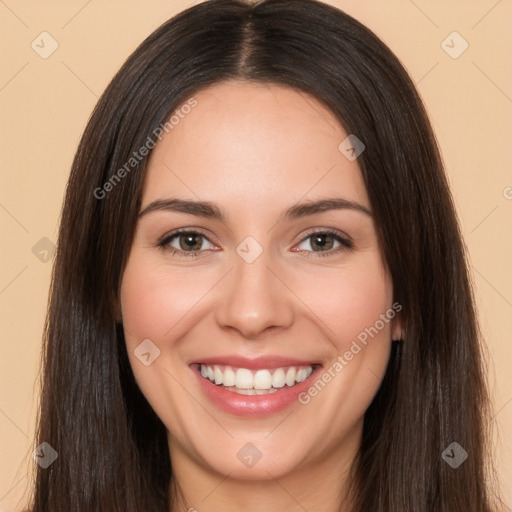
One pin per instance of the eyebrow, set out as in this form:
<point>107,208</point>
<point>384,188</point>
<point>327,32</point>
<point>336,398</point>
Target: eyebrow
<point>209,210</point>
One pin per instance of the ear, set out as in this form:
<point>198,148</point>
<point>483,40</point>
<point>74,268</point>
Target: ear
<point>397,327</point>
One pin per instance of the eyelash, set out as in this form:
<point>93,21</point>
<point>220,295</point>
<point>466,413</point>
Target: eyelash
<point>345,243</point>
<point>163,243</point>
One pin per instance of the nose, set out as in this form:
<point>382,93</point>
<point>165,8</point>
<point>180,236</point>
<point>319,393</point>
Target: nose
<point>254,299</point>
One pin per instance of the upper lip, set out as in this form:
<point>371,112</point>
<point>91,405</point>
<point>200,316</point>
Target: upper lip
<point>254,363</point>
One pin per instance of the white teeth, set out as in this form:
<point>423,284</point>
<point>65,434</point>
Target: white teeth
<point>217,374</point>
<point>229,377</point>
<point>262,380</point>
<point>243,379</point>
<point>252,391</point>
<point>290,377</point>
<point>301,375</point>
<point>278,378</point>
<point>258,382</point>
<point>241,391</point>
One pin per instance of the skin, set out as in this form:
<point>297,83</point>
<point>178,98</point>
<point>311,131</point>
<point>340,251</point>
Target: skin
<point>255,150</point>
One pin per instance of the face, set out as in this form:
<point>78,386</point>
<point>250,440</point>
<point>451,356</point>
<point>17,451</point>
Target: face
<point>257,309</point>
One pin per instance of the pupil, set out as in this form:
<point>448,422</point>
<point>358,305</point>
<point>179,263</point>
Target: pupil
<point>319,241</point>
<point>190,242</point>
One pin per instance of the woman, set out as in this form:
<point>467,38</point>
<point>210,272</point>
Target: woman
<point>260,298</point>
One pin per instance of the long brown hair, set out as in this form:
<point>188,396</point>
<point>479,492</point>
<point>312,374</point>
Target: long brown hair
<point>113,453</point>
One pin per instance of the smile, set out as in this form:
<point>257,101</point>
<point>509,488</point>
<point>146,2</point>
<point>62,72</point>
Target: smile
<point>254,387</point>
<point>255,382</point>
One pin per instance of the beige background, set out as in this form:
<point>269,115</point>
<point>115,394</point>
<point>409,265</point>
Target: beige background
<point>45,104</point>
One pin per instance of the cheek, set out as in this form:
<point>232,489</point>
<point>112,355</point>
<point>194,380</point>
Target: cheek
<point>156,305</point>
<point>349,299</point>
<point>154,301</point>
<point>351,303</point>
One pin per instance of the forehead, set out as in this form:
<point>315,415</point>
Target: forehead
<point>251,141</point>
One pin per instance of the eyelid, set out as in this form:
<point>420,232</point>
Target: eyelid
<point>330,231</point>
<point>164,241</point>
<point>343,239</point>
<point>182,231</point>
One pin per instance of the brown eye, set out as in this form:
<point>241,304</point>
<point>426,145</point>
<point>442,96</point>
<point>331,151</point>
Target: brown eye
<point>324,242</point>
<point>186,243</point>
<point>190,241</point>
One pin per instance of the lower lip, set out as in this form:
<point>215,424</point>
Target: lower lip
<point>253,405</point>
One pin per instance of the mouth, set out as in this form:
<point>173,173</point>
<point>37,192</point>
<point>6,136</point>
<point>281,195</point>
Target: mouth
<point>245,381</point>
<point>254,388</point>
